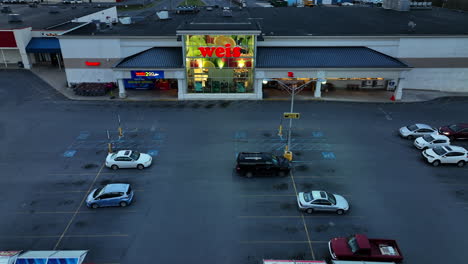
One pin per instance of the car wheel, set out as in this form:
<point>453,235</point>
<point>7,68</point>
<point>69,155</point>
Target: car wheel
<point>410,137</point>
<point>123,204</point>
<point>452,138</point>
<point>249,174</point>
<point>140,166</point>
<point>461,163</point>
<point>436,163</point>
<point>340,212</point>
<point>425,148</point>
<point>94,206</point>
<point>310,211</point>
<point>114,167</point>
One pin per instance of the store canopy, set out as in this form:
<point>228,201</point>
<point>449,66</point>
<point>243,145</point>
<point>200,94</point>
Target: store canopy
<point>52,257</point>
<point>43,45</point>
<point>324,57</point>
<point>156,58</point>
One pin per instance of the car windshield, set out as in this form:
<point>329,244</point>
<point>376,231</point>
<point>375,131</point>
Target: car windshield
<point>135,155</point>
<point>331,198</point>
<point>439,151</point>
<point>428,138</point>
<point>97,192</point>
<point>454,128</point>
<point>308,197</point>
<point>412,127</point>
<point>353,244</point>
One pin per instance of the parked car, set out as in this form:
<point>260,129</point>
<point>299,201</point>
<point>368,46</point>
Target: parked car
<point>261,163</point>
<point>430,141</point>
<point>455,131</point>
<point>446,154</point>
<point>359,247</point>
<point>128,159</point>
<point>115,194</point>
<point>416,130</point>
<point>322,201</point>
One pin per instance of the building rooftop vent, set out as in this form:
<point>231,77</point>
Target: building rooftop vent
<point>12,18</point>
<point>163,15</point>
<point>53,10</point>
<point>125,20</point>
<point>227,13</point>
<point>6,9</point>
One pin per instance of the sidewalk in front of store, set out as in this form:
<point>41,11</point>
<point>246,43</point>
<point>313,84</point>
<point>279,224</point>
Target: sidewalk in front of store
<point>57,79</point>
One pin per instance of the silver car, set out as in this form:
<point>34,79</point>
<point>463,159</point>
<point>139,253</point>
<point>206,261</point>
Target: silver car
<point>416,130</point>
<point>322,201</point>
<point>430,141</point>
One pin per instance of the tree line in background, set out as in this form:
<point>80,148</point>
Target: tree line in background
<point>451,4</point>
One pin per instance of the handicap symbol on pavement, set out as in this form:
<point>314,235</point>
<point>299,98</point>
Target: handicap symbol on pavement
<point>328,155</point>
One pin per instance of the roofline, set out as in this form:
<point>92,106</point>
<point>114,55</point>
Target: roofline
<point>81,25</point>
<point>343,68</point>
<point>255,32</point>
<point>147,68</point>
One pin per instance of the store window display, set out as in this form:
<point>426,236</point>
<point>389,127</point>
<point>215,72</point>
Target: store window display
<point>220,63</point>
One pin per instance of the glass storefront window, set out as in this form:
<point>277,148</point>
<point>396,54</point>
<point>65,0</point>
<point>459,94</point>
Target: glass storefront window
<point>219,63</point>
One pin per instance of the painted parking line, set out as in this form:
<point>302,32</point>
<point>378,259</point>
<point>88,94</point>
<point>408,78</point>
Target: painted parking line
<point>69,236</point>
<point>319,177</point>
<point>31,212</point>
<point>279,242</point>
<point>328,155</point>
<point>153,152</point>
<point>83,135</point>
<point>297,216</point>
<point>240,135</point>
<point>69,153</point>
<point>76,191</point>
<point>267,195</point>
<point>159,136</point>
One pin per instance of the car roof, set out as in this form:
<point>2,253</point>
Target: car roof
<point>438,136</point>
<point>455,149</point>
<point>423,126</point>
<point>319,195</point>
<point>124,153</point>
<point>116,187</point>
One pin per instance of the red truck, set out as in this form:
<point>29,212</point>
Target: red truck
<point>359,247</point>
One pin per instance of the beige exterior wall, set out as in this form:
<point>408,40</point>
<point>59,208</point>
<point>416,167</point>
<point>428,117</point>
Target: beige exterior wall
<point>436,62</point>
<point>73,63</point>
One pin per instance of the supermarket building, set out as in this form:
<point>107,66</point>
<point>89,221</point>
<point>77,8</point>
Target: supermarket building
<point>241,53</point>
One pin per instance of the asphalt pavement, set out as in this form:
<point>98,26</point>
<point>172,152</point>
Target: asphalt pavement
<point>191,207</point>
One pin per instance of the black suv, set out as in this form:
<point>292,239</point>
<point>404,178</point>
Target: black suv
<point>261,163</point>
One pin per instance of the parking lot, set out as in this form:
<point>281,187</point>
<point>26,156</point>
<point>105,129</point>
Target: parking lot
<point>190,205</point>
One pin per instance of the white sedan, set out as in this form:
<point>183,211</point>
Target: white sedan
<point>430,141</point>
<point>128,159</point>
<point>322,201</point>
<point>416,130</point>
<point>446,154</point>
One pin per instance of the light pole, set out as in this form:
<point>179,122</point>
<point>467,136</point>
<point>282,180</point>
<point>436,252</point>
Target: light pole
<point>293,89</point>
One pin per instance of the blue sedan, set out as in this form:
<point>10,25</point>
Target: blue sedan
<point>115,194</point>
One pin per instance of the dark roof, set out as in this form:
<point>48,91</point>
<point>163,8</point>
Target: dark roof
<point>154,58</point>
<point>324,57</point>
<point>291,21</point>
<point>43,45</point>
<point>40,18</point>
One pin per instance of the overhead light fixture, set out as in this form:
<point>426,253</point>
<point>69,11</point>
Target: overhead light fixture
<point>265,81</point>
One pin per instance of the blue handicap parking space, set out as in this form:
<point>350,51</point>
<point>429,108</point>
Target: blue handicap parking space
<point>317,134</point>
<point>83,135</point>
<point>69,153</point>
<point>158,136</point>
<point>328,155</point>
<point>153,152</point>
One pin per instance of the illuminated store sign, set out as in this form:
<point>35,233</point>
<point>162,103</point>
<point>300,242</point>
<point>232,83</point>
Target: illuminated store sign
<point>220,52</point>
<point>148,74</point>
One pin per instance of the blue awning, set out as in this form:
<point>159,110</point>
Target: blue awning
<point>43,45</point>
<point>324,57</point>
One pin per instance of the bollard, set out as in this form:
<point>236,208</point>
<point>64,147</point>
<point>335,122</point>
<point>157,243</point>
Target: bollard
<point>280,131</point>
<point>109,147</point>
<point>288,155</point>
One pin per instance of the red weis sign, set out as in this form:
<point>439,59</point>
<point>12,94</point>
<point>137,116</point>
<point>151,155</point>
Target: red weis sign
<point>220,52</point>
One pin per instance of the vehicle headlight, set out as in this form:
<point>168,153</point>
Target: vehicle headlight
<point>446,133</point>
